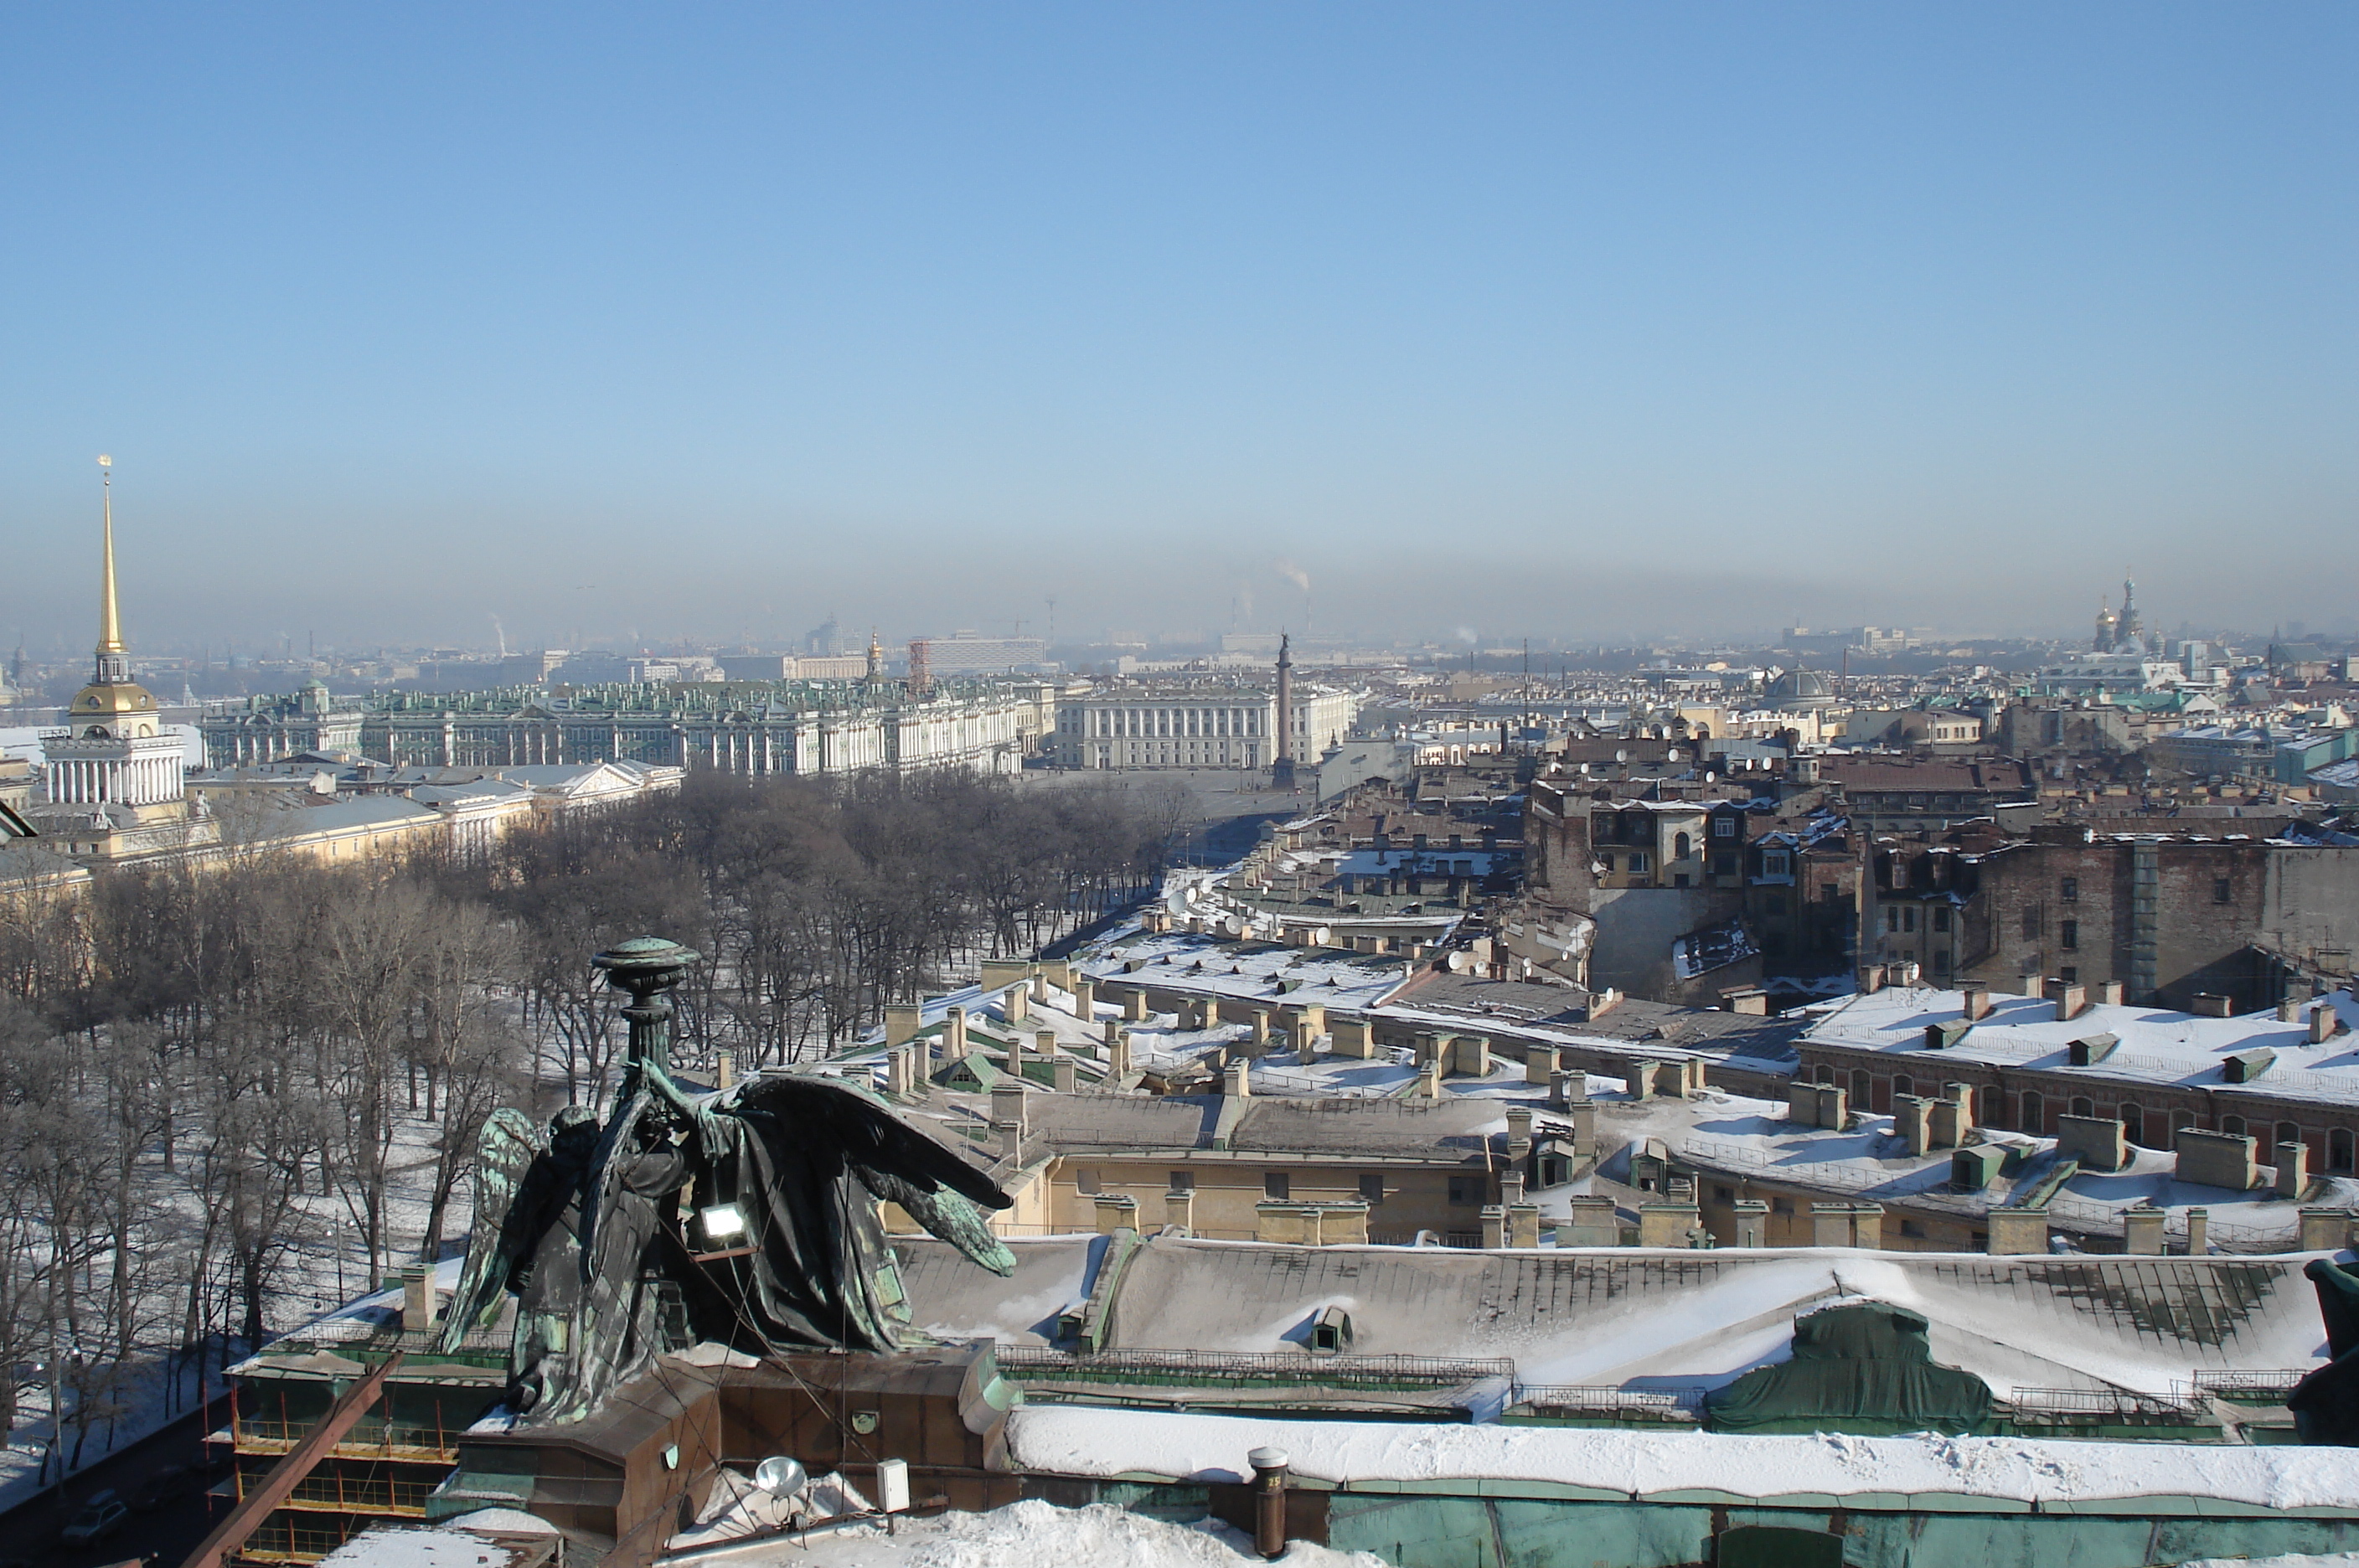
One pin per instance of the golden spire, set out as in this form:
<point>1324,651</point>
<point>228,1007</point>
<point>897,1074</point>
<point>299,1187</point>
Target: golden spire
<point>109,625</point>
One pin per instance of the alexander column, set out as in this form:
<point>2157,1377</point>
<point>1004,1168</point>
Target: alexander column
<point>1281,766</point>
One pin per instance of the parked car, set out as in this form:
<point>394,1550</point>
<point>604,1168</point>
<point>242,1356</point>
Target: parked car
<point>101,1514</point>
<point>169,1484</point>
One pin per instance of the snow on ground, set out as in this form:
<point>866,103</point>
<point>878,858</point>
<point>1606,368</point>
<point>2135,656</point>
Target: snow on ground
<point>1038,1535</point>
<point>1075,1440</point>
<point>326,1268</point>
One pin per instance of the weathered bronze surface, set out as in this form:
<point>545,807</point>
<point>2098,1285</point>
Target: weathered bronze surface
<point>746,1218</point>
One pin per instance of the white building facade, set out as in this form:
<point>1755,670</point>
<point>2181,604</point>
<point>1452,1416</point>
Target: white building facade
<point>1124,727</point>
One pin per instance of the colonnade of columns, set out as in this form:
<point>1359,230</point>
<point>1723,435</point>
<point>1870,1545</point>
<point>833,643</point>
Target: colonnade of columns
<point>134,781</point>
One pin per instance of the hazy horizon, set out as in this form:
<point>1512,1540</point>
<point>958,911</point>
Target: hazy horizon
<point>1579,322</point>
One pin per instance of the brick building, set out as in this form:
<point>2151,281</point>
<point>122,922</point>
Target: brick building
<point>2169,917</point>
<point>1652,872</point>
<point>1895,793</point>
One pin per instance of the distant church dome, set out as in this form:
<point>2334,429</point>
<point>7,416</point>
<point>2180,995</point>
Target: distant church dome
<point>1801,689</point>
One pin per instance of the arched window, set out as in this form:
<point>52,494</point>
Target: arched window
<point>2134,1124</point>
<point>1903,1084</point>
<point>2289,1133</point>
<point>2084,1106</point>
<point>2339,1151</point>
<point>1826,1074</point>
<point>2232,1126</point>
<point>2035,1112</point>
<point>1679,847</point>
<point>1861,1088</point>
<point>1988,1103</point>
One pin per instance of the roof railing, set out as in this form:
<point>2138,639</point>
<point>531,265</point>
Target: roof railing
<point>1225,1369</point>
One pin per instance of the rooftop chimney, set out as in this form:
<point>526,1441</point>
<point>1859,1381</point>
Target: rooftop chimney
<point>419,1299</point>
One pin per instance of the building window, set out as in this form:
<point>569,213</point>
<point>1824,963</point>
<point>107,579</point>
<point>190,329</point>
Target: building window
<point>1724,827</point>
<point>1776,863</point>
<point>2084,1106</point>
<point>2289,1133</point>
<point>2134,1124</point>
<point>2221,893</point>
<point>1372,1190</point>
<point>2069,973</point>
<point>1892,918</point>
<point>1829,892</point>
<point>1183,1181</point>
<point>1637,865</point>
<point>2339,1151</point>
<point>1941,919</point>
<point>2035,1114</point>
<point>1085,1181</point>
<point>1912,1229</point>
<point>1278,1185</point>
<point>1903,1084</point>
<point>2070,890</point>
<point>1679,847</point>
<point>1908,918</point>
<point>2068,934</point>
<point>1472,1189</point>
<point>1861,1083</point>
<point>2232,1126</point>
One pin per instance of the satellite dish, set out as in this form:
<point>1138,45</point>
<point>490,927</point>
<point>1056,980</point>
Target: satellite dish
<point>780,1477</point>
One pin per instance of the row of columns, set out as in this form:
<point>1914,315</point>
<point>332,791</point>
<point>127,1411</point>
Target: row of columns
<point>135,781</point>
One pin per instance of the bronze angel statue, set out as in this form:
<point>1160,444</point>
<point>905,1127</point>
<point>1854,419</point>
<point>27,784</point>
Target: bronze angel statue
<point>748,1216</point>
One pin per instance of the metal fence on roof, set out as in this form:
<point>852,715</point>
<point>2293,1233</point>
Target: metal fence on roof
<point>2268,1387</point>
<point>1039,1364</point>
<point>2179,1407</point>
<point>386,1336</point>
<point>1612,1402</point>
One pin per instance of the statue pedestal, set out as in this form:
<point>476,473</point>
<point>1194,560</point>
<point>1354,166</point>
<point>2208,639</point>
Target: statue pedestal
<point>614,1481</point>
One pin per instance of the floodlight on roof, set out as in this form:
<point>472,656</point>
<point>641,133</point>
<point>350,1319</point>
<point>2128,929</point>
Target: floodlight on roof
<point>780,1476</point>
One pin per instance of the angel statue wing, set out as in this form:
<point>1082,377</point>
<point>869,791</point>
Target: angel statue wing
<point>891,1156</point>
<point>504,1152</point>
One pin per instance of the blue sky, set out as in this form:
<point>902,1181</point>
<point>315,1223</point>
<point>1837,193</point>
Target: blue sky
<point>1564,320</point>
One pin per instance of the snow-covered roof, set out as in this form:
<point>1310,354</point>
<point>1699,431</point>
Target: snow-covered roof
<point>2156,1045</point>
<point>1823,1470</point>
<point>1631,1317</point>
<point>1269,974</point>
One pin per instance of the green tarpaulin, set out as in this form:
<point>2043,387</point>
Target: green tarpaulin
<point>1864,1369</point>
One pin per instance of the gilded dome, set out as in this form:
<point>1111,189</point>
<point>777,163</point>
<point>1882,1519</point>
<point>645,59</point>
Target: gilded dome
<point>106,705</point>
